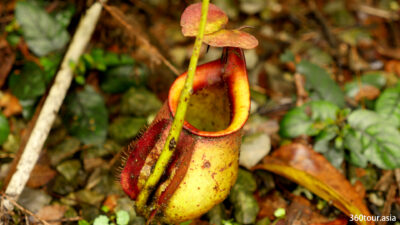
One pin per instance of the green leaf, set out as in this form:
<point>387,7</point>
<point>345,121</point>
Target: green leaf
<point>388,105</point>
<point>308,119</point>
<point>295,123</point>
<point>101,220</point>
<point>69,169</point>
<point>125,128</point>
<point>325,144</point>
<point>322,141</point>
<point>318,80</point>
<point>87,116</point>
<point>100,59</point>
<point>42,33</point>
<point>50,65</point>
<point>287,56</point>
<point>355,35</point>
<point>30,83</point>
<point>83,222</point>
<point>120,78</point>
<point>376,78</point>
<point>217,214</point>
<point>4,129</point>
<point>245,205</point>
<point>352,142</point>
<point>323,110</point>
<point>122,217</point>
<point>64,16</point>
<point>139,102</point>
<point>377,139</point>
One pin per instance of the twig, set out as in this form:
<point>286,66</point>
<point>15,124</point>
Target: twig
<point>302,95</point>
<point>52,103</point>
<point>388,203</point>
<point>120,17</point>
<point>20,207</point>
<point>324,25</point>
<point>177,124</point>
<point>397,177</point>
<point>378,12</point>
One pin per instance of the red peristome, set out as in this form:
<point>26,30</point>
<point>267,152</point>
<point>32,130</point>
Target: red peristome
<point>231,71</point>
<point>139,151</point>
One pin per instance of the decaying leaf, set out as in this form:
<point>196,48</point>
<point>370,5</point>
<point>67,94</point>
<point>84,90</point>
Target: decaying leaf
<point>302,165</point>
<point>233,38</point>
<point>367,91</point>
<point>190,20</point>
<point>7,57</point>
<point>52,213</point>
<point>10,104</point>
<point>41,175</point>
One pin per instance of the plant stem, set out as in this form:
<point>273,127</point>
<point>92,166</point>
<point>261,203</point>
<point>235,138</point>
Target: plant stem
<point>177,124</point>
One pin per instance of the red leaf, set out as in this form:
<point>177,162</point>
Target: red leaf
<point>231,38</point>
<point>190,20</point>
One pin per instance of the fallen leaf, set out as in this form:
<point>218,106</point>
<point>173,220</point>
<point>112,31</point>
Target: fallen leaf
<point>41,175</point>
<point>190,20</point>
<point>300,211</point>
<point>339,221</point>
<point>7,58</point>
<point>269,204</point>
<point>111,202</point>
<point>11,104</point>
<point>232,38</point>
<point>304,166</point>
<point>367,91</point>
<point>52,213</point>
<point>393,66</point>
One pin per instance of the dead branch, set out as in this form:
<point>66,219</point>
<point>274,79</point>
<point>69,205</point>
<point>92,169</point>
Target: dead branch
<point>20,207</point>
<point>51,105</point>
<point>153,51</point>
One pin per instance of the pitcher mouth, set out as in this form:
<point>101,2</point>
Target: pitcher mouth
<point>229,71</point>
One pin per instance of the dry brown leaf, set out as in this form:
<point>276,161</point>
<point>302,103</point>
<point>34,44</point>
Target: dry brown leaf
<point>304,166</point>
<point>300,211</point>
<point>52,213</point>
<point>393,66</point>
<point>41,175</point>
<point>10,104</point>
<point>367,91</point>
<point>111,202</point>
<point>269,204</point>
<point>7,58</point>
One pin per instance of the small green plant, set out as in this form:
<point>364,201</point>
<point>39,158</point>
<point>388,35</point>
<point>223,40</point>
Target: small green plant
<point>121,217</point>
<point>340,132</point>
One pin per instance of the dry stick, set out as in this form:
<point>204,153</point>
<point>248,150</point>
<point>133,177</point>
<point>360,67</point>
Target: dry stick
<point>391,194</point>
<point>302,96</point>
<point>378,12</point>
<point>52,103</point>
<point>120,17</point>
<point>26,211</point>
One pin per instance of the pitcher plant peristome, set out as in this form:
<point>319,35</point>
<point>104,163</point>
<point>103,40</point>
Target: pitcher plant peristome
<point>204,166</point>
